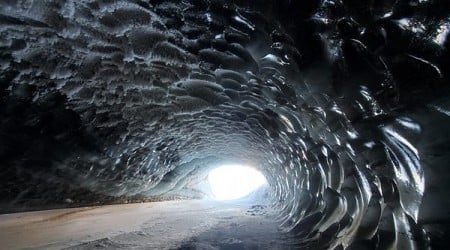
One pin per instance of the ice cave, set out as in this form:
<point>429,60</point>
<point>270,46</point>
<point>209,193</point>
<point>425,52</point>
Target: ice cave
<point>116,117</point>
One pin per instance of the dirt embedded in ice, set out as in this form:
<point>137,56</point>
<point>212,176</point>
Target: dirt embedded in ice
<point>213,225</point>
<point>199,224</point>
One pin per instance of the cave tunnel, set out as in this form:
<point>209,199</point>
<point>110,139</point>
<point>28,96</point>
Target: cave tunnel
<point>343,107</point>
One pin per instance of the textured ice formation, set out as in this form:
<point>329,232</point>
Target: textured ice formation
<point>343,105</point>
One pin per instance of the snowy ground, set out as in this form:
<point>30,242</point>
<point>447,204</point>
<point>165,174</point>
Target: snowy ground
<point>197,224</point>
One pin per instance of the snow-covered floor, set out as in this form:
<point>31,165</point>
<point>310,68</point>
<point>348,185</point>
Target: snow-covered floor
<point>198,224</point>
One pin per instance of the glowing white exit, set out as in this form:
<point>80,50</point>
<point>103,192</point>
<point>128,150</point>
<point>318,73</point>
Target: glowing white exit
<point>232,182</point>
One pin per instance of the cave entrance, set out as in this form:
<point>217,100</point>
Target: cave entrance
<point>231,182</point>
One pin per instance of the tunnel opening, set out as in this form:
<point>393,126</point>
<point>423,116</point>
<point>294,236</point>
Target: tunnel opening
<point>232,182</point>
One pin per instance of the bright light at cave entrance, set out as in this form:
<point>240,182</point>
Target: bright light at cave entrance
<point>232,182</point>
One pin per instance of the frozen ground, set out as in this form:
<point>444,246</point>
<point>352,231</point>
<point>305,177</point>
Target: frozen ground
<point>159,225</point>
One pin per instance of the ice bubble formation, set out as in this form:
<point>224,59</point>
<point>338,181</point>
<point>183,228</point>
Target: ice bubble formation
<point>343,105</point>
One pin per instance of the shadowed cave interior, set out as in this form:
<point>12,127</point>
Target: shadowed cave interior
<point>343,106</point>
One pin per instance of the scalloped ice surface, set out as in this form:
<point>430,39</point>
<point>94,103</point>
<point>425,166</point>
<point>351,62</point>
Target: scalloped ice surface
<point>342,105</point>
